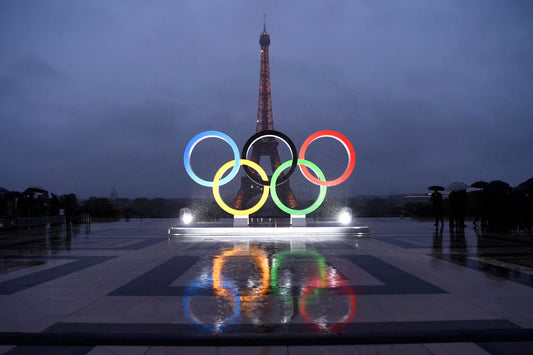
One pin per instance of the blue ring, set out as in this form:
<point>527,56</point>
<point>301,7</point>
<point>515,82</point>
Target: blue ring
<point>211,134</point>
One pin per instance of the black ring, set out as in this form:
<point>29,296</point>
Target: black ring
<point>269,133</point>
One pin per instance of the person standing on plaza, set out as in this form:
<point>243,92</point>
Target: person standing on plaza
<point>460,208</point>
<point>436,199</point>
<point>452,205</point>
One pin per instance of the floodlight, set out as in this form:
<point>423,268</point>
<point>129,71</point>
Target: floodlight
<point>345,215</point>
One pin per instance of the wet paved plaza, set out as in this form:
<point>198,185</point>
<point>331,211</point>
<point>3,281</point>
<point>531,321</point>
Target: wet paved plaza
<point>125,287</point>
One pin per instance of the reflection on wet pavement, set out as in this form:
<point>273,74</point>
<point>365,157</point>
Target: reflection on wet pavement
<point>267,285</point>
<point>25,248</point>
<point>124,282</point>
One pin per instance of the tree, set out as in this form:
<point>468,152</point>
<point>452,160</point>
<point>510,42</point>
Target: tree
<point>100,208</point>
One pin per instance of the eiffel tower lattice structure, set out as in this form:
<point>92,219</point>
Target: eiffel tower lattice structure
<point>267,146</point>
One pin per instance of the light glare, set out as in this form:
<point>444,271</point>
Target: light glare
<point>187,218</point>
<point>345,216</point>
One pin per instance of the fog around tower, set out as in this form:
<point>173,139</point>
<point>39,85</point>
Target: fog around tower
<point>96,94</point>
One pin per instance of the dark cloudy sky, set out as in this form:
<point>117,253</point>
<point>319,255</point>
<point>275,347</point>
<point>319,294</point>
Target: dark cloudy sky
<point>101,93</point>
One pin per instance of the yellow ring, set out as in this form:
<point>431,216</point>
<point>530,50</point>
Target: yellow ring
<point>216,193</point>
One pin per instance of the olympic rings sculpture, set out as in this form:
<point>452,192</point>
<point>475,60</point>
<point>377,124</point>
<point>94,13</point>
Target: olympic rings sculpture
<point>261,178</point>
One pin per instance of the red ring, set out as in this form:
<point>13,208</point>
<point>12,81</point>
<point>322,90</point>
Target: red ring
<point>349,149</point>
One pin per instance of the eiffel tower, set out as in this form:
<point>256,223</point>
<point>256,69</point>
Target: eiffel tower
<point>266,146</point>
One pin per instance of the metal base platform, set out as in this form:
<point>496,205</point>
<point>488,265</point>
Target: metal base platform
<point>271,232</point>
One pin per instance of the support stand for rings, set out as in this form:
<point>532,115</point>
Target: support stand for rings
<point>241,221</point>
<point>298,220</point>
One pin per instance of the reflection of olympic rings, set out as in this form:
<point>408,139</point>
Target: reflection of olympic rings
<point>312,292</point>
<point>261,261</point>
<point>202,283</point>
<point>320,321</point>
<point>280,258</point>
<point>239,295</point>
<point>277,177</point>
<point>251,296</point>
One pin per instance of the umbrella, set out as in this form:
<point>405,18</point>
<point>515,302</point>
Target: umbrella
<point>526,186</point>
<point>497,187</point>
<point>457,186</point>
<point>436,188</point>
<point>35,190</point>
<point>479,184</point>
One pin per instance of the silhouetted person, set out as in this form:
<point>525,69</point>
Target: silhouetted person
<point>522,210</point>
<point>436,199</point>
<point>460,208</point>
<point>480,208</point>
<point>498,205</point>
<point>452,205</point>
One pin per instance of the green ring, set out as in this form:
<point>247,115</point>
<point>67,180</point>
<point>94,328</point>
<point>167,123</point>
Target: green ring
<point>274,194</point>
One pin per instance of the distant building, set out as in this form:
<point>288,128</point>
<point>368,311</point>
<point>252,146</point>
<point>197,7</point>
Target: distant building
<point>118,203</point>
<point>113,195</point>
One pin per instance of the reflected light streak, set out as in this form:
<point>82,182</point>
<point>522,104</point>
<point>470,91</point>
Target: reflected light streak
<point>321,322</point>
<point>253,293</point>
<point>203,283</point>
<point>280,258</point>
<point>319,296</point>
